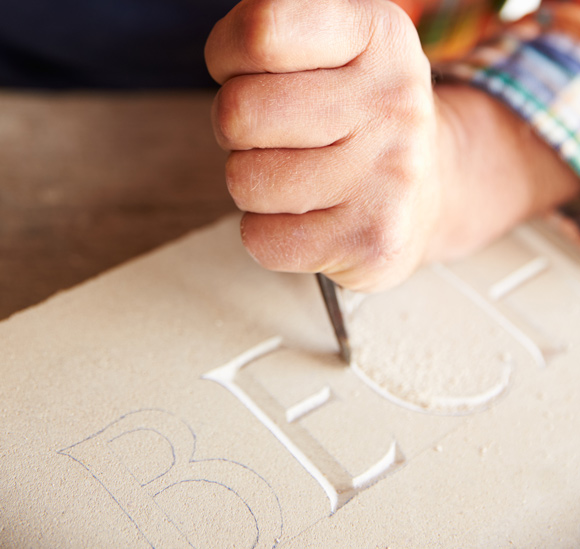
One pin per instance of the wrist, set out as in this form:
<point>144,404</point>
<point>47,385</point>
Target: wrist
<point>494,171</point>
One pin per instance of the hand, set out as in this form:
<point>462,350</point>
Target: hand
<point>342,156</point>
<point>329,111</point>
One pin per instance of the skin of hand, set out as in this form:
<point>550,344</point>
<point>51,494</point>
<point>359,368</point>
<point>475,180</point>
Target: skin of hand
<point>345,159</point>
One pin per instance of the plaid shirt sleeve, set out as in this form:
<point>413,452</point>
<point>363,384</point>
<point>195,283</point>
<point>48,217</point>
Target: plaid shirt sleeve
<point>532,65</point>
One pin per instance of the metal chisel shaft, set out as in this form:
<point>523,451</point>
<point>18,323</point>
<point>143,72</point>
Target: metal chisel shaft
<point>328,288</point>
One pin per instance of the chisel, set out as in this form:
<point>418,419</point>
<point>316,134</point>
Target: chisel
<point>328,289</point>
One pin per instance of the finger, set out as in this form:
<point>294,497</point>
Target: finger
<point>287,36</point>
<point>308,243</point>
<point>296,181</point>
<point>361,256</point>
<point>324,241</point>
<point>299,110</point>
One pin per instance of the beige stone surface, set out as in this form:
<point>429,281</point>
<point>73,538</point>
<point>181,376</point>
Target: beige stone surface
<point>190,398</point>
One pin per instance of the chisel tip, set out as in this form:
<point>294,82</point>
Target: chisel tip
<point>345,351</point>
<point>328,288</point>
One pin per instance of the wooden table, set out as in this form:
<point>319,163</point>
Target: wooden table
<point>89,181</point>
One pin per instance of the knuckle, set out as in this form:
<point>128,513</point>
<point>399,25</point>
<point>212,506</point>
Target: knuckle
<point>410,130</point>
<point>382,241</point>
<point>250,239</point>
<point>379,252</point>
<point>409,105</point>
<point>259,33</point>
<point>211,52</point>
<point>417,104</point>
<point>257,243</point>
<point>414,167</point>
<point>229,114</point>
<point>242,180</point>
<point>235,180</point>
<point>405,110</point>
<point>384,246</point>
<point>393,22</point>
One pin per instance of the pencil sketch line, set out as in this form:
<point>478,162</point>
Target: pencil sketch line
<point>249,469</point>
<point>111,494</point>
<point>227,488</point>
<point>162,436</point>
<point>105,465</point>
<point>130,415</point>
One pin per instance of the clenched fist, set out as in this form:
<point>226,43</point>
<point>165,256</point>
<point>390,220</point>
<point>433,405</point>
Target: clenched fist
<point>343,158</point>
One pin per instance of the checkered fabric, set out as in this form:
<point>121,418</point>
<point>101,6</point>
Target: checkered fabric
<point>532,65</point>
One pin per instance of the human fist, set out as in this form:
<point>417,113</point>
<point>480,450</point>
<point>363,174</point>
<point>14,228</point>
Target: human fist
<point>329,112</point>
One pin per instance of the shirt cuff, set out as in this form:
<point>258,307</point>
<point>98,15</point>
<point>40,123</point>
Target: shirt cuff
<point>534,68</point>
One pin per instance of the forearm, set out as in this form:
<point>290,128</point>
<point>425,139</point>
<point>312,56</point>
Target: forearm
<point>495,172</point>
<point>345,161</point>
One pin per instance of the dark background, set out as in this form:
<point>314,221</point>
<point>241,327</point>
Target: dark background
<point>106,44</point>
